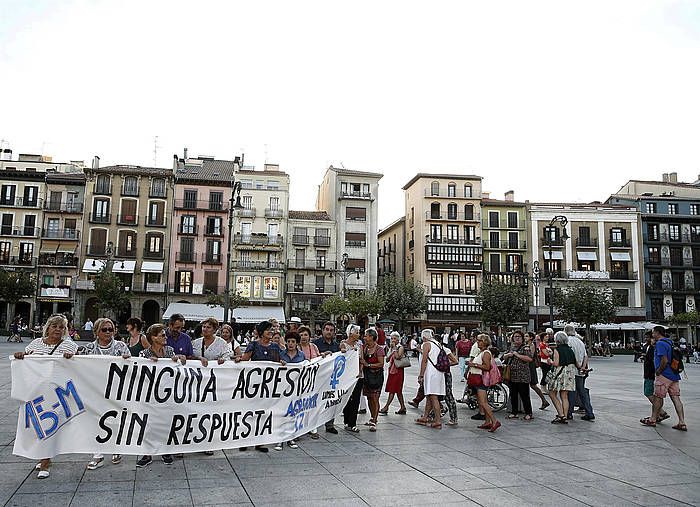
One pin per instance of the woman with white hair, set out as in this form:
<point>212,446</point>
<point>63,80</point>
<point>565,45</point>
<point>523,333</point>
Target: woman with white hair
<point>352,342</point>
<point>432,379</point>
<point>54,340</point>
<point>562,377</point>
<point>394,382</point>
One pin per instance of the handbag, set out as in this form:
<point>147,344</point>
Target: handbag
<point>506,373</point>
<point>404,362</point>
<point>374,378</point>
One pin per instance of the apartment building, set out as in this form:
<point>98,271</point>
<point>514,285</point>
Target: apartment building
<point>602,244</point>
<point>312,263</point>
<point>391,250</point>
<point>445,253</point>
<point>60,252</point>
<point>351,200</point>
<point>670,216</point>
<point>127,209</point>
<point>199,228</point>
<point>504,230</point>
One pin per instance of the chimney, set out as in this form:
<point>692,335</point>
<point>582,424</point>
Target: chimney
<point>510,195</point>
<point>664,177</point>
<point>673,177</point>
<point>6,154</point>
<point>184,154</point>
<point>175,162</point>
<point>95,162</point>
<point>485,195</point>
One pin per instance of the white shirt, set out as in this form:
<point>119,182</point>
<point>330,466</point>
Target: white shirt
<point>414,344</point>
<point>218,349</point>
<point>88,325</point>
<point>578,347</point>
<point>40,348</point>
<point>446,338</point>
<point>473,354</point>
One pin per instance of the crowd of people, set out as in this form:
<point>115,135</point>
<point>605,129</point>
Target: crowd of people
<point>552,365</point>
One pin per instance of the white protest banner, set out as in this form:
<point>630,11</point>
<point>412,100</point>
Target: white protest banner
<point>137,406</point>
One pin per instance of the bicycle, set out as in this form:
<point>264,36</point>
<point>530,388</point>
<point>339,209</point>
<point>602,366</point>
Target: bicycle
<point>14,338</point>
<point>496,395</point>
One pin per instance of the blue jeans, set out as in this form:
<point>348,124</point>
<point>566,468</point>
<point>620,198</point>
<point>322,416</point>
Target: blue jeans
<point>582,395</point>
<point>463,365</point>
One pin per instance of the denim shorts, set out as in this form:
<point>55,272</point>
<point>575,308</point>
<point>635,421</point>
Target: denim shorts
<point>648,387</point>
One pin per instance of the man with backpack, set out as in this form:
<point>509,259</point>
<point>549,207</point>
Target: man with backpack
<point>668,363</point>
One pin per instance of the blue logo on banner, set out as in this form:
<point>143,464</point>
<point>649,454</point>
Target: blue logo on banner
<point>46,418</point>
<point>338,370</point>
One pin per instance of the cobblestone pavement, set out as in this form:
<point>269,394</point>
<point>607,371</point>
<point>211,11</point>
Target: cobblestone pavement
<point>612,461</point>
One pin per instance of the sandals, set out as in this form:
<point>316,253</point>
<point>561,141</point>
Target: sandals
<point>528,418</point>
<point>116,459</point>
<point>43,474</point>
<point>485,426</point>
<point>560,419</point>
<point>95,463</point>
<point>663,418</point>
<point>372,426</point>
<point>437,425</point>
<point>422,421</point>
<point>383,412</point>
<point>452,423</point>
<point>352,429</point>
<point>493,428</point>
<point>545,405</point>
<point>680,427</point>
<point>513,416</point>
<point>648,422</point>
<point>401,412</point>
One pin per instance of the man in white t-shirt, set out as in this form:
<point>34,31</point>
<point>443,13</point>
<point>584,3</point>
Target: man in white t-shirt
<point>88,325</point>
<point>579,349</point>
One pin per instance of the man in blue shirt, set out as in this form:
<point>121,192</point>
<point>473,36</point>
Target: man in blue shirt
<point>328,343</point>
<point>666,380</point>
<point>179,341</point>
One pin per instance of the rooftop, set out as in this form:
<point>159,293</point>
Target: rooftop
<point>350,172</point>
<point>440,176</point>
<point>391,225</point>
<point>132,169</point>
<point>309,215</point>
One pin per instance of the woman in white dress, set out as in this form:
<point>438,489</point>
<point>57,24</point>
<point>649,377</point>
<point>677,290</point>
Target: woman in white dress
<point>433,381</point>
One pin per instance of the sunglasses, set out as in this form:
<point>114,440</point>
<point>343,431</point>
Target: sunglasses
<point>107,330</point>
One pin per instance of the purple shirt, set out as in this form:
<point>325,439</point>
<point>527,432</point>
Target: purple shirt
<point>181,346</point>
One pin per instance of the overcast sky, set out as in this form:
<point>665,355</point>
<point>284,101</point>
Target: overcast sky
<point>556,100</point>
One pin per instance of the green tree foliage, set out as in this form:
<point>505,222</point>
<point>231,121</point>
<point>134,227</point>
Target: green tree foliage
<point>335,306</point>
<point>402,298</point>
<point>366,303</point>
<point>503,304</point>
<point>235,301</point>
<point>690,319</point>
<point>586,303</point>
<point>15,285</point>
<point>112,299</point>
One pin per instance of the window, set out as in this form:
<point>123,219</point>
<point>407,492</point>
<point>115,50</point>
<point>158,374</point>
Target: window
<point>435,188</point>
<point>512,219</point>
<point>52,228</point>
<point>653,232</point>
<point>300,236</point>
<point>467,190</point>
<point>695,234</point>
<point>103,184</point>
<point>247,201</point>
<point>357,214</point>
<point>470,283</point>
<point>617,236</point>
<point>470,234</point>
<point>31,195</point>
<point>355,239</point>
<point>514,263</point>
<point>674,232</point>
<point>127,243</point>
<point>128,212</point>
<point>435,210</point>
<point>435,232</point>
<point>47,280</point>
<point>552,266</point>
<point>436,283</point>
<point>551,234</point>
<point>29,225</point>
<point>190,199</point>
<point>320,286</point>
<point>216,201</point>
<point>5,249</point>
<point>413,216</point>
<point>274,203</point>
<point>586,266</point>
<point>584,236</point>
<point>26,252</point>
<point>298,283</point>
<point>100,209</point>
<point>188,224</point>
<point>158,187</point>
<point>154,243</point>
<point>300,257</point>
<point>676,256</point>
<point>453,283</point>
<point>355,265</point>
<point>494,239</point>
<point>213,251</point>
<point>259,184</point>
<point>131,185</point>
<point>7,198</point>
<point>494,262</point>
<point>513,242</point>
<point>650,207</point>
<point>186,250</point>
<point>211,281</point>
<point>246,183</point>
<point>156,213</point>
<point>654,255</point>
<point>452,211</point>
<point>452,233</point>
<point>183,281</point>
<point>214,226</point>
<point>493,219</point>
<point>451,190</point>
<point>672,208</point>
<point>321,259</point>
<point>469,212</point>
<point>695,209</point>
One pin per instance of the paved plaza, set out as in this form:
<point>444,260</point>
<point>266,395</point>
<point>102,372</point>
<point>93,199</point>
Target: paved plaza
<point>612,461</point>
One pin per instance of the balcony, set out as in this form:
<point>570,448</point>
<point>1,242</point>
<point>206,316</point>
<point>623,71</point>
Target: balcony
<point>85,285</point>
<point>298,239</point>
<point>130,191</point>
<point>147,254</point>
<point>58,260</point>
<point>447,241</point>
<point>319,264</point>
<point>191,204</point>
<point>258,265</point>
<point>452,305</point>
<point>311,288</point>
<point>211,259</point>
<point>586,242</point>
<point>502,268</point>
<point>102,189</point>
<point>507,278</point>
<point>460,215</point>
<point>68,234</point>
<point>506,245</point>
<point>96,250</point>
<point>158,193</point>
<point>21,202</point>
<point>673,238</point>
<point>355,243</point>
<point>187,230</point>
<point>20,231</point>
<point>247,212</point>
<point>63,207</point>
<point>322,241</point>
<point>154,287</point>
<point>186,257</point>
<point>586,275</point>
<point>128,253</point>
<point>554,241</point>
<point>273,213</point>
<point>155,222</point>
<point>365,196</point>
<point>619,243</point>
<point>19,261</point>
<point>258,239</point>
<point>503,223</point>
<point>100,218</point>
<point>127,220</point>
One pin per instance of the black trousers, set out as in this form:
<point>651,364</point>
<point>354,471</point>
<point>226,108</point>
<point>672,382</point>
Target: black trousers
<point>520,390</point>
<point>350,410</point>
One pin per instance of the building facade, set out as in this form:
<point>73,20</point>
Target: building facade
<point>351,199</point>
<point>445,253</point>
<point>602,244</point>
<point>670,215</point>
<point>312,263</point>
<point>126,226</point>
<point>391,250</point>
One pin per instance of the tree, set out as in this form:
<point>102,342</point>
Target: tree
<point>112,299</point>
<point>335,306</point>
<point>402,298</point>
<point>503,304</point>
<point>235,301</point>
<point>370,302</point>
<point>690,319</point>
<point>15,285</point>
<point>586,303</point>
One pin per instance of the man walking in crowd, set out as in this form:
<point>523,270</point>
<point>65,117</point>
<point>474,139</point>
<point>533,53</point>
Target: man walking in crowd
<point>179,341</point>
<point>581,392</point>
<point>666,381</point>
<point>648,356</point>
<point>328,343</point>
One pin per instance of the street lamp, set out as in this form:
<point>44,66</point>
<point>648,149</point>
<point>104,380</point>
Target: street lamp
<point>536,285</point>
<point>234,204</point>
<point>560,219</point>
<point>343,265</point>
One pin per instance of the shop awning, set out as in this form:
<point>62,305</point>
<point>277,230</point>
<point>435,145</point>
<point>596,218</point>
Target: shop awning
<point>151,267</point>
<point>255,314</point>
<point>620,256</point>
<point>586,256</point>
<point>123,266</point>
<point>194,311</point>
<point>555,255</point>
<point>92,265</point>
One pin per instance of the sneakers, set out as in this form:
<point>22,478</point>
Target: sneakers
<point>331,430</point>
<point>144,461</point>
<point>279,447</point>
<point>588,418</point>
<point>95,463</point>
<point>261,448</point>
<point>315,436</point>
<point>292,444</point>
<point>167,459</point>
<point>116,459</point>
<point>478,417</point>
<point>208,453</point>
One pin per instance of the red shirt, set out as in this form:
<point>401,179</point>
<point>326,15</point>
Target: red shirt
<point>463,348</point>
<point>381,336</point>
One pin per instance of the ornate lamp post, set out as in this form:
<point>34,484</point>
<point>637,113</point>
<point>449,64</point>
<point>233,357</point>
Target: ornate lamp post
<point>234,204</point>
<point>560,219</point>
<point>536,285</point>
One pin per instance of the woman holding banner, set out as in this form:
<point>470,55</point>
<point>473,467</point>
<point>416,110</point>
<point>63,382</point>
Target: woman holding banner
<point>210,347</point>
<point>54,340</point>
<point>226,333</point>
<point>372,360</point>
<point>310,351</point>
<point>350,411</point>
<point>291,354</point>
<point>104,345</point>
